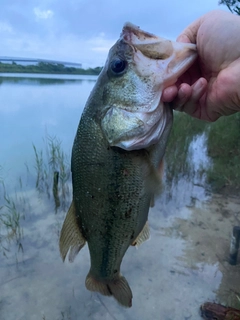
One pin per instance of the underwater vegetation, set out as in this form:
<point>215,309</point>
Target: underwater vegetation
<point>52,180</point>
<point>52,167</point>
<point>12,211</point>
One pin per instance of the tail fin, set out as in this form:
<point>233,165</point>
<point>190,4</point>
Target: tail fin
<point>118,288</point>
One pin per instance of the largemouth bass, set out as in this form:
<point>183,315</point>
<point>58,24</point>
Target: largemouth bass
<point>119,145</point>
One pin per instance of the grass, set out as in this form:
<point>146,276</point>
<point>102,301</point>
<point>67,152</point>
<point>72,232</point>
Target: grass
<point>53,171</point>
<point>11,220</point>
<point>39,166</point>
<point>11,214</point>
<point>224,149</point>
<point>178,160</point>
<point>232,298</point>
<point>52,168</point>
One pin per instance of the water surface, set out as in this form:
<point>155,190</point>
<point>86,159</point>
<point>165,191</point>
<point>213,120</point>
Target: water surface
<point>183,265</point>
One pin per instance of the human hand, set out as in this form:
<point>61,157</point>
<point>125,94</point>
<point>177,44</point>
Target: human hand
<point>211,87</point>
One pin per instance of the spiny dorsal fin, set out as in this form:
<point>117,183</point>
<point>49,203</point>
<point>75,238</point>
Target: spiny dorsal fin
<point>143,235</point>
<point>71,236</point>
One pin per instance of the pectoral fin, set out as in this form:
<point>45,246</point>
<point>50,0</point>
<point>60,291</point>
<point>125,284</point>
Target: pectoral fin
<point>143,235</point>
<point>71,236</point>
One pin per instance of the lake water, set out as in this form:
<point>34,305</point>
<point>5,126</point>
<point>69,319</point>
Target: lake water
<point>183,265</point>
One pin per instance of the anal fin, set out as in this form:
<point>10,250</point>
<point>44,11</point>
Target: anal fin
<point>71,236</point>
<point>143,235</point>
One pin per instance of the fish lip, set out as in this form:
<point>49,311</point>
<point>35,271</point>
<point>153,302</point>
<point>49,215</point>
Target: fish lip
<point>129,29</point>
<point>141,40</point>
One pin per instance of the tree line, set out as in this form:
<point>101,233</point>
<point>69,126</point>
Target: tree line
<point>43,67</point>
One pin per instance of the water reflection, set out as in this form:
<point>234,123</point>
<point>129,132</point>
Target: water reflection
<point>42,79</point>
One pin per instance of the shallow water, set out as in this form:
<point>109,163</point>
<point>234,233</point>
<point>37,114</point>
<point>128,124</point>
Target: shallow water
<point>183,265</point>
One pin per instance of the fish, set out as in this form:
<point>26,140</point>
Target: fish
<point>117,153</point>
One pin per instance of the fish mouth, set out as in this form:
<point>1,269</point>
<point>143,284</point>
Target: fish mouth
<point>130,30</point>
<point>150,45</point>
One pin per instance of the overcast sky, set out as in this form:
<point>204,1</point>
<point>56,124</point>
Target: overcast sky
<point>84,30</point>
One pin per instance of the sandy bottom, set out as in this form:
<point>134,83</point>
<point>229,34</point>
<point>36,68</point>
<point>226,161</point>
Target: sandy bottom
<point>183,265</point>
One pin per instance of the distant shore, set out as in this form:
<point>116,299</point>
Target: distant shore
<point>47,68</point>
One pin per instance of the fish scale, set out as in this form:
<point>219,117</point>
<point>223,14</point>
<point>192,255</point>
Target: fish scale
<point>105,172</point>
<point>116,155</point>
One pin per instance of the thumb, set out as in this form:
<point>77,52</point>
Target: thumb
<point>189,35</point>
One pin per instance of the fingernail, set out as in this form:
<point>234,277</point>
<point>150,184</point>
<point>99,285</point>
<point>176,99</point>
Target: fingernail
<point>181,94</point>
<point>183,38</point>
<point>198,85</point>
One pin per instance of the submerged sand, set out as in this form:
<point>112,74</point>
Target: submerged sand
<point>184,264</point>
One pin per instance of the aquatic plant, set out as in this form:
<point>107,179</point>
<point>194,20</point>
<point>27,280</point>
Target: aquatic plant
<point>11,219</point>
<point>53,169</point>
<point>11,213</point>
<point>39,166</point>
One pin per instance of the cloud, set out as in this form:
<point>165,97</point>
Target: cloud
<point>5,27</point>
<point>42,14</point>
<point>84,30</point>
<point>100,43</point>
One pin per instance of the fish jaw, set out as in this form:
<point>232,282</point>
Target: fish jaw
<point>172,58</point>
<point>134,116</point>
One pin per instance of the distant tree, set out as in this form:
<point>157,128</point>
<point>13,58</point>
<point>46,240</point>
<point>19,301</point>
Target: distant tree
<point>45,67</point>
<point>233,5</point>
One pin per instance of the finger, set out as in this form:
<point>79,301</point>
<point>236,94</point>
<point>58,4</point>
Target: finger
<point>169,94</point>
<point>192,106</point>
<point>190,33</point>
<point>189,95</point>
<point>184,94</point>
<point>183,38</point>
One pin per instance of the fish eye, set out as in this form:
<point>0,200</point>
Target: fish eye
<point>118,66</point>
